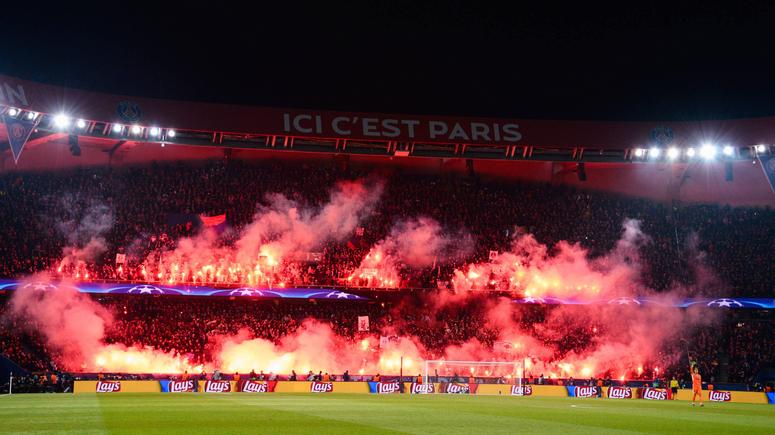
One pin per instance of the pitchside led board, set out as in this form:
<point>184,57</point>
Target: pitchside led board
<point>394,387</point>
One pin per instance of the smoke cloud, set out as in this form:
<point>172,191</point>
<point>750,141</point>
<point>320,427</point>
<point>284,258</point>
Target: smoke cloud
<point>282,229</point>
<point>84,226</point>
<point>415,243</point>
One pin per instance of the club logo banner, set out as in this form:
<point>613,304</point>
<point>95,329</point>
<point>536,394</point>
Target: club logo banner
<point>217,387</point>
<point>108,386</point>
<point>249,386</point>
<point>422,388</point>
<point>321,387</point>
<point>719,396</point>
<point>583,391</point>
<point>619,393</point>
<point>188,386</point>
<point>654,394</point>
<point>457,388</point>
<point>384,387</point>
<point>521,390</point>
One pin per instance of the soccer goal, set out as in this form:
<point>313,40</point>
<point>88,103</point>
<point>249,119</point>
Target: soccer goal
<point>502,372</point>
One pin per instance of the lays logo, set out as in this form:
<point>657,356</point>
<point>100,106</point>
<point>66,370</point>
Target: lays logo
<point>108,386</point>
<point>321,387</point>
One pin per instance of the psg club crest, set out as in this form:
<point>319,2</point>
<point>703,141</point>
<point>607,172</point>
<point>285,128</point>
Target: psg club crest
<point>128,111</point>
<point>17,131</point>
<point>662,135</point>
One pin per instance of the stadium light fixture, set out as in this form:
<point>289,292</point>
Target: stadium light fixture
<point>728,151</point>
<point>32,115</point>
<point>708,151</point>
<point>136,129</point>
<point>117,128</point>
<point>639,152</point>
<point>61,120</point>
<point>672,153</point>
<point>654,152</point>
<point>80,124</point>
<point>761,148</point>
<point>171,133</point>
<point>155,131</point>
<point>691,152</point>
<point>13,111</point>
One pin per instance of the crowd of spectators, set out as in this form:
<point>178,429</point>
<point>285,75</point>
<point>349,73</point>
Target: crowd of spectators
<point>40,210</point>
<point>734,350</point>
<point>724,250</point>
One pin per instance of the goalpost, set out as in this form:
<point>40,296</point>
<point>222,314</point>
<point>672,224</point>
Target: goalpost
<point>505,372</point>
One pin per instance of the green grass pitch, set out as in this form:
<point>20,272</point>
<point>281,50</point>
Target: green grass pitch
<point>356,413</point>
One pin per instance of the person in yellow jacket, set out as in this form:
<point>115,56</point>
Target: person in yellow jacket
<point>674,387</point>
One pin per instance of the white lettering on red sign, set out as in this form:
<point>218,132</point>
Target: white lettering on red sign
<point>517,390</point>
<point>654,394</point>
<point>423,388</point>
<point>108,386</point>
<point>619,393</point>
<point>321,387</point>
<point>388,387</point>
<point>181,386</point>
<point>437,129</point>
<point>458,389</point>
<point>255,387</point>
<point>217,387</point>
<point>719,396</point>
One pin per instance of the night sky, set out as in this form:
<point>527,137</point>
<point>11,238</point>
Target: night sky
<point>667,61</point>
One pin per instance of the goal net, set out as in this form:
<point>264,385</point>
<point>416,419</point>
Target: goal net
<point>482,372</point>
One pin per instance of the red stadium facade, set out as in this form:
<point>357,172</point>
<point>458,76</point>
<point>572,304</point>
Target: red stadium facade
<point>612,156</point>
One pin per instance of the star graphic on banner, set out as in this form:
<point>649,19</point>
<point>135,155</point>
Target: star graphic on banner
<point>40,286</point>
<point>246,292</point>
<point>532,300</point>
<point>728,303</point>
<point>624,301</point>
<point>339,295</point>
<point>146,289</point>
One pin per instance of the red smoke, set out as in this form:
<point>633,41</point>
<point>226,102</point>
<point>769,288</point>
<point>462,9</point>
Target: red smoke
<point>266,250</point>
<point>416,243</point>
<point>562,341</point>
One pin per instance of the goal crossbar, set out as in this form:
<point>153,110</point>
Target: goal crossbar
<point>517,367</point>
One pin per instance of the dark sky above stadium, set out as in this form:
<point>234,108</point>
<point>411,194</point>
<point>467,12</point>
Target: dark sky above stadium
<point>679,60</point>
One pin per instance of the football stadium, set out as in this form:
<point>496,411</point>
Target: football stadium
<point>180,266</point>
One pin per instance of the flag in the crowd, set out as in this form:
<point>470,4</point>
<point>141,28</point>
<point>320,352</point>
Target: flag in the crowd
<point>383,341</point>
<point>120,258</point>
<point>768,166</point>
<point>213,221</point>
<point>493,255</point>
<point>19,131</point>
<point>363,323</point>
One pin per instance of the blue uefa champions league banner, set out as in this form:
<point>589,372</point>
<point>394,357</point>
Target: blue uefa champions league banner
<point>759,303</point>
<point>154,289</point>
